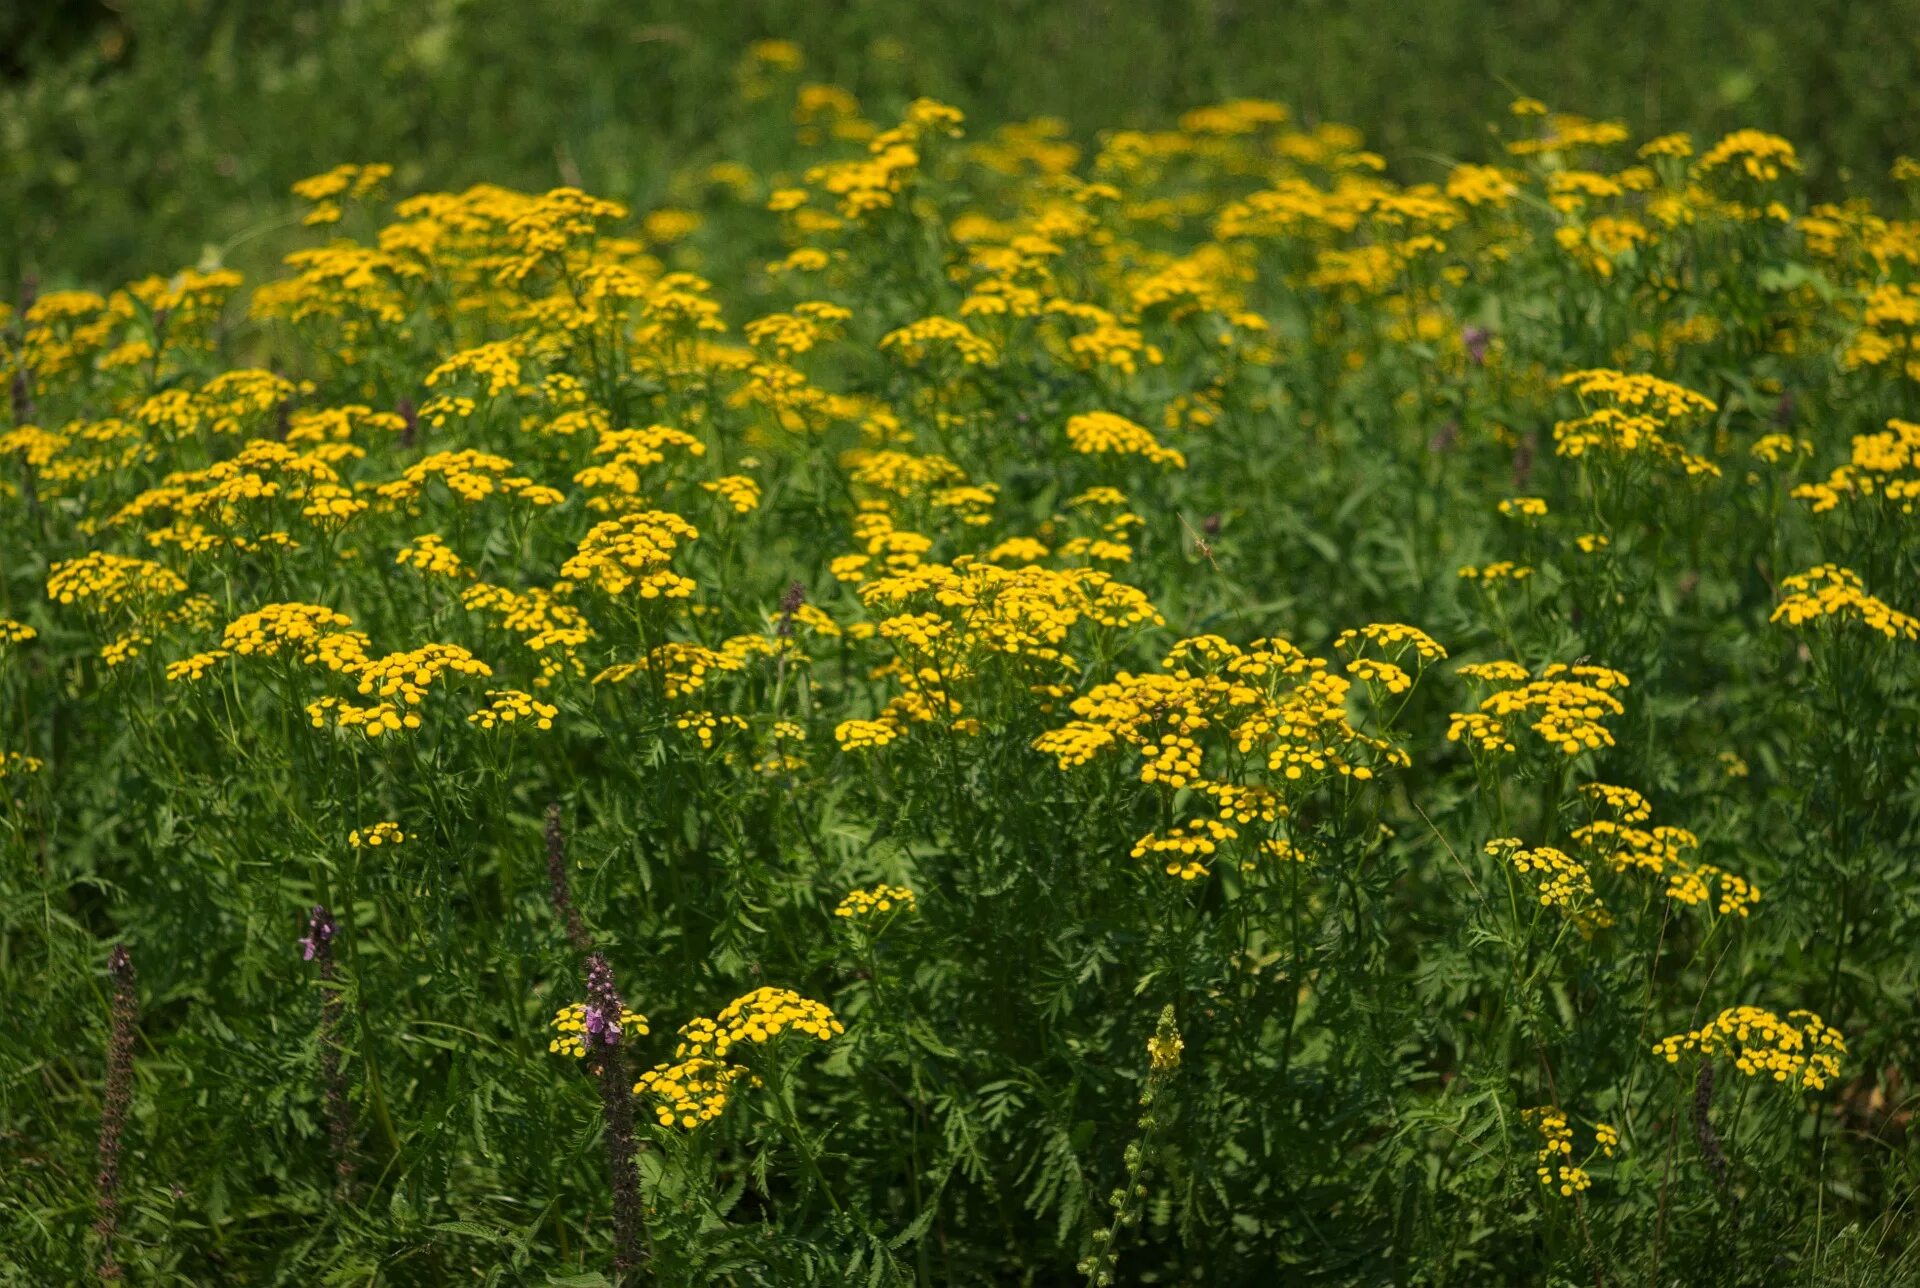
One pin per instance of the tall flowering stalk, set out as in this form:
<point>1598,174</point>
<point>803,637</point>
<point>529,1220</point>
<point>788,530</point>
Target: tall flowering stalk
<point>317,946</point>
<point>601,1040</point>
<point>560,887</point>
<point>113,1111</point>
<point>1703,1133</point>
<point>1163,1058</point>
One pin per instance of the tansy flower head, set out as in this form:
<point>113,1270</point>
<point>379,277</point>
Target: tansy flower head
<point>375,835</point>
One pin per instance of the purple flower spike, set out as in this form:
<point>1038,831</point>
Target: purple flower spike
<point>603,1004</point>
<point>1476,339</point>
<point>320,931</point>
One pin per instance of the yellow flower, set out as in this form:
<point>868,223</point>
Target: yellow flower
<point>510,706</point>
<point>1829,591</point>
<point>1801,1050</point>
<point>876,902</point>
<point>375,835</point>
<point>1103,433</point>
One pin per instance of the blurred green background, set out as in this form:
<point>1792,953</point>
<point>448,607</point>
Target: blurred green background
<point>134,134</point>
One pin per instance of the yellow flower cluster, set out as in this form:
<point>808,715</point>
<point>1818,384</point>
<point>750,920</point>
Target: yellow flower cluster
<point>470,475</point>
<point>1758,155</point>
<point>1624,845</point>
<point>695,1087</point>
<point>432,555</point>
<point>740,493</point>
<point>340,184</point>
<point>863,735</point>
<point>195,666</point>
<point>632,552</point>
<point>1564,705</point>
<point>1103,433</point>
<point>1885,464</point>
<point>1185,849</point>
<point>1831,591</point>
<point>758,1017</point>
<point>1554,1163</point>
<point>691,1091</point>
<point>373,722</point>
<point>107,582</point>
<point>375,835</point>
<point>409,674</point>
<point>1632,418</point>
<point>511,706</point>
<point>1493,574</point>
<point>920,343</point>
<point>1165,1046</point>
<point>298,627</point>
<point>1267,700</point>
<point>1802,1049</point>
<point>18,763</point>
<point>875,902</point>
<point>706,725</point>
<point>1889,335</point>
<point>1560,880</point>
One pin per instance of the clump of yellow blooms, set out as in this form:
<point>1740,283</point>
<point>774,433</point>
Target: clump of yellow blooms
<point>1395,639</point>
<point>1554,1163</point>
<point>706,725</point>
<point>691,1091</point>
<point>511,706</point>
<point>1495,573</point>
<point>1632,415</point>
<point>1185,849</point>
<point>1756,154</point>
<point>1560,881</point>
<point>875,902</point>
<point>341,184</point>
<point>1884,465</point>
<point>18,764</point>
<point>375,835</point>
<point>195,667</point>
<point>1565,705</point>
<point>472,476</point>
<point>1268,700</point>
<point>864,735</point>
<point>1802,1049</point>
<point>923,342</point>
<point>1103,433</point>
<point>297,627</point>
<point>105,582</point>
<point>1829,591</point>
<point>632,552</point>
<point>408,675</point>
<point>431,554</point>
<point>1624,845</point>
<point>1524,507</point>
<point>1165,1046</point>
<point>695,1087</point>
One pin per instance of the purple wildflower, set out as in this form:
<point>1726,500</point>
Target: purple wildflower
<point>1475,339</point>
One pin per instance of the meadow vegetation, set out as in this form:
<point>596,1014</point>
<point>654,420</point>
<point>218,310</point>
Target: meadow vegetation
<point>954,703</point>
